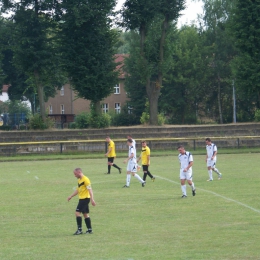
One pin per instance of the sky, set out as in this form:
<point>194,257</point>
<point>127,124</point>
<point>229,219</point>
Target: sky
<point>189,14</point>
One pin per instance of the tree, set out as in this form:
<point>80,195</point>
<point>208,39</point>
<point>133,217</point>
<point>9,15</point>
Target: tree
<point>143,15</point>
<point>34,50</point>
<point>245,27</point>
<point>184,89</point>
<point>87,43</point>
<point>221,51</point>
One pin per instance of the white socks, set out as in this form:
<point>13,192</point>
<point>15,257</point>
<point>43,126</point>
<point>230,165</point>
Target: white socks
<point>183,189</point>
<point>210,174</point>
<point>138,178</point>
<point>128,178</point>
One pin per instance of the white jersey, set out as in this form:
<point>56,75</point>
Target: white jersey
<point>211,148</point>
<point>132,150</point>
<point>185,160</point>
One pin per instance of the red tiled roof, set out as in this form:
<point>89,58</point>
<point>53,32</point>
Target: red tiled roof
<point>119,58</point>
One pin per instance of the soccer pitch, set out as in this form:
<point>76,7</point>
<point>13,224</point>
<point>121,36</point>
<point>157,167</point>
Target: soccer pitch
<point>220,222</point>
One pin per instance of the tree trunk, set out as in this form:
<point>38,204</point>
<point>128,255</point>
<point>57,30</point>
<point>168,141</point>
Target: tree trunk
<point>97,108</point>
<point>219,103</point>
<point>153,93</point>
<point>40,90</point>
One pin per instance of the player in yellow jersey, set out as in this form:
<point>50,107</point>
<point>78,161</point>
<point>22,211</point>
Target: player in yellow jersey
<point>85,194</point>
<point>145,156</point>
<point>111,154</point>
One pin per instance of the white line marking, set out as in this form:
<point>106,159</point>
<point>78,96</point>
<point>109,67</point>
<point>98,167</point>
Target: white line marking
<point>214,193</point>
<point>37,178</point>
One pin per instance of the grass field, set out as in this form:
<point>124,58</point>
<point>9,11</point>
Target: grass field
<point>220,222</point>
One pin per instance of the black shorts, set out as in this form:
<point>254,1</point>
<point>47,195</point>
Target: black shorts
<point>145,168</point>
<point>83,205</point>
<point>110,159</point>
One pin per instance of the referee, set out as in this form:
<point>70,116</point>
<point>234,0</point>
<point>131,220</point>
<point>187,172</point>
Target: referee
<point>85,194</point>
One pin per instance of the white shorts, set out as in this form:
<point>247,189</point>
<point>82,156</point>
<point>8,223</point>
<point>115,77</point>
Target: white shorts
<point>185,175</point>
<point>211,163</point>
<point>131,166</point>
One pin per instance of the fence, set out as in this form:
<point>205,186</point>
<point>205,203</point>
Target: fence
<point>77,146</point>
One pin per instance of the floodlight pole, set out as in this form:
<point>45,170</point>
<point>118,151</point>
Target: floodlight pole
<point>234,102</point>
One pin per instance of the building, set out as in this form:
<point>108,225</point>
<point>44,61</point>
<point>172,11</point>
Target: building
<point>66,102</point>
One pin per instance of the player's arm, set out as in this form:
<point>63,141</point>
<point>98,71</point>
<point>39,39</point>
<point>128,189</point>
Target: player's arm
<point>214,154</point>
<point>189,165</point>
<point>140,156</point>
<point>73,194</point>
<point>109,150</point>
<point>128,158</point>
<point>91,195</point>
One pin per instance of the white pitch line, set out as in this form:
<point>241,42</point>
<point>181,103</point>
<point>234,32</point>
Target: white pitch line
<point>216,194</point>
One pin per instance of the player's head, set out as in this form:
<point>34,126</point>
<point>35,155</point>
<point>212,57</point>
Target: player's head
<point>78,172</point>
<point>181,149</point>
<point>129,137</point>
<point>143,143</point>
<point>129,141</point>
<point>107,138</point>
<point>208,141</point>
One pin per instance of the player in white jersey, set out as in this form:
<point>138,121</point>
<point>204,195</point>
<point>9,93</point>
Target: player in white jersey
<point>131,165</point>
<point>186,162</point>
<point>211,159</point>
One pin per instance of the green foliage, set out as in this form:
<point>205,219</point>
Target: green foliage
<point>36,122</point>
<point>88,47</point>
<point>87,120</point>
<point>124,118</point>
<point>100,121</point>
<point>145,118</point>
<point>257,115</point>
<point>82,120</point>
<point>15,106</point>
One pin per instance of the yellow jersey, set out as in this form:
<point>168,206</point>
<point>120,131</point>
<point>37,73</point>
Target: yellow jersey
<point>112,153</point>
<point>145,153</point>
<point>83,184</point>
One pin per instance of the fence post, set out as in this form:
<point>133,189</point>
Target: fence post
<point>61,147</point>
<point>238,144</point>
<point>194,145</point>
<point>150,144</point>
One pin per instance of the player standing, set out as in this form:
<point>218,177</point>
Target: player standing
<point>145,156</point>
<point>85,193</point>
<point>131,165</point>
<point>211,159</point>
<point>186,162</point>
<point>111,154</point>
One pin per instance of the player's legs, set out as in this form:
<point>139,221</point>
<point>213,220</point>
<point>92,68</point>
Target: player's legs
<point>114,165</point>
<point>191,183</point>
<point>80,208</point>
<point>109,163</point>
<point>145,169</point>
<point>149,174</point>
<point>85,213</point>
<point>133,167</point>
<point>128,175</point>
<point>183,185</point>
<point>209,166</point>
<point>216,170</point>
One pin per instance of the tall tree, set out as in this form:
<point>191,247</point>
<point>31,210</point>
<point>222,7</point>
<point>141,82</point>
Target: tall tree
<point>221,52</point>
<point>88,48</point>
<point>142,15</point>
<point>35,49</point>
<point>245,27</point>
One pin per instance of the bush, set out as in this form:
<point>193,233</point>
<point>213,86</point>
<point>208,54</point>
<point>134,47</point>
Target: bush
<point>144,118</point>
<point>161,119</point>
<point>100,121</point>
<point>82,120</point>
<point>257,115</point>
<point>36,122</point>
<point>124,118</point>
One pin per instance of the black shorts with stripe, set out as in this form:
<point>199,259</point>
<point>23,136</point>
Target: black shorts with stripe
<point>83,205</point>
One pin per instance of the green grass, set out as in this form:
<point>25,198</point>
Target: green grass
<point>147,223</point>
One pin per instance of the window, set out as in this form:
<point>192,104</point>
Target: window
<point>62,110</point>
<point>105,108</point>
<point>117,89</point>
<point>50,109</point>
<point>117,108</point>
<point>62,91</point>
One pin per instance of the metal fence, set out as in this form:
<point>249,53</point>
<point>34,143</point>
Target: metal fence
<point>90,146</point>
